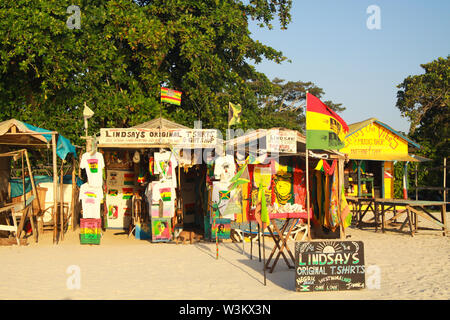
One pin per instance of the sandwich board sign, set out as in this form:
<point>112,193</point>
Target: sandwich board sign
<point>329,266</point>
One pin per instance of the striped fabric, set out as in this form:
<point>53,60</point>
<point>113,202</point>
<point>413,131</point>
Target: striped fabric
<point>170,96</point>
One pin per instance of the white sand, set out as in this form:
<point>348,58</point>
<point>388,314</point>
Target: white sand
<point>125,268</point>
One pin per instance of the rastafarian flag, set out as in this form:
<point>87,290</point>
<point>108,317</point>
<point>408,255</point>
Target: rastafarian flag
<point>325,130</point>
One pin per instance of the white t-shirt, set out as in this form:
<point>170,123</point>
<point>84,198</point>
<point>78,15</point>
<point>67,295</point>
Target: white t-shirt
<point>94,165</point>
<point>224,168</point>
<point>165,164</point>
<point>161,191</point>
<point>91,198</point>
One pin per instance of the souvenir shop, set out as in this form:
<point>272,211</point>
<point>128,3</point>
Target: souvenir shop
<point>277,163</point>
<point>154,178</point>
<point>372,147</point>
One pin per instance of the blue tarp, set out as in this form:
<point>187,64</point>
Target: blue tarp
<point>17,189</point>
<point>63,145</point>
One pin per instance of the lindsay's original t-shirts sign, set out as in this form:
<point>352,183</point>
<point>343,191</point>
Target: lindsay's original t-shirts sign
<point>329,265</point>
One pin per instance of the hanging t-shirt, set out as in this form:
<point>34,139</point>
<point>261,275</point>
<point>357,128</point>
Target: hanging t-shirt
<point>91,198</point>
<point>165,164</point>
<point>221,193</point>
<point>225,168</point>
<point>94,165</point>
<point>162,191</point>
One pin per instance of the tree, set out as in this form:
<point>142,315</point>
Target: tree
<point>122,54</point>
<point>425,100</point>
<point>282,104</point>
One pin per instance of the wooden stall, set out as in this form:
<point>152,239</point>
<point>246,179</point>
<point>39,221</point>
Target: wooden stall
<point>131,158</point>
<point>277,160</point>
<point>372,147</point>
<point>16,134</point>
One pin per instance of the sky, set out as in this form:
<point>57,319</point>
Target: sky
<point>329,43</point>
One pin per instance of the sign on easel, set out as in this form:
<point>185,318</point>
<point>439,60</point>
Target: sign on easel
<point>329,266</point>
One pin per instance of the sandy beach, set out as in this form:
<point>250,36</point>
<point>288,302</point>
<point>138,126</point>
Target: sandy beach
<point>125,268</point>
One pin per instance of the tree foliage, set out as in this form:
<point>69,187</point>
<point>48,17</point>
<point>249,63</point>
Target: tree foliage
<point>425,100</point>
<point>125,50</point>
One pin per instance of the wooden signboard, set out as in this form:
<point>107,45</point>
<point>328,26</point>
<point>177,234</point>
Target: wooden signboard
<point>184,138</point>
<point>329,266</point>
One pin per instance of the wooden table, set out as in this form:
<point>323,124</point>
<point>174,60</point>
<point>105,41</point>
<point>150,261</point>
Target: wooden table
<point>413,208</point>
<point>280,238</point>
<point>359,202</point>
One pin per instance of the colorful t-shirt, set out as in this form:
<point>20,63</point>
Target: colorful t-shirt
<point>93,164</point>
<point>225,168</point>
<point>161,191</point>
<point>221,193</point>
<point>91,198</point>
<point>165,164</point>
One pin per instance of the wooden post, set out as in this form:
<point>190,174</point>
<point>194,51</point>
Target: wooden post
<point>22,222</point>
<point>264,256</point>
<point>382,180</point>
<point>340,185</point>
<point>359,178</point>
<point>55,181</point>
<point>61,201</point>
<point>445,179</point>
<point>72,203</point>
<point>33,185</point>
<point>307,196</point>
<point>417,193</point>
<point>307,177</point>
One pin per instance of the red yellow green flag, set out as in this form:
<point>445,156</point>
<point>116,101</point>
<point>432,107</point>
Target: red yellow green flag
<point>170,96</point>
<point>325,130</point>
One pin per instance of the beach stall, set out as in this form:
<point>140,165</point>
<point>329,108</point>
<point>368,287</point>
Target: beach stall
<point>372,147</point>
<point>276,163</point>
<point>53,202</point>
<point>155,177</point>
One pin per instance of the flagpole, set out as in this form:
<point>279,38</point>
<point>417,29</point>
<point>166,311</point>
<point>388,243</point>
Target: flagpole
<point>264,256</point>
<point>307,173</point>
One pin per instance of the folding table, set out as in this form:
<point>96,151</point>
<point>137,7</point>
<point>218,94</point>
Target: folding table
<point>280,237</point>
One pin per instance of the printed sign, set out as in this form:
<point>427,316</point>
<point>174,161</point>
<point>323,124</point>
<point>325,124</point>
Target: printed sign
<point>329,266</point>
<point>223,229</point>
<point>281,141</point>
<point>161,229</point>
<point>374,142</point>
<point>185,138</point>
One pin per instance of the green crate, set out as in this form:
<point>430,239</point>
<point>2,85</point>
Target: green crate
<point>90,238</point>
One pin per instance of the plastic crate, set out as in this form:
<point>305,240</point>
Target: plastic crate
<point>90,223</point>
<point>90,238</point>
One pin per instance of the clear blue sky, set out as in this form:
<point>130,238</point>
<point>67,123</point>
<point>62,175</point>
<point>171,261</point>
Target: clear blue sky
<point>329,44</point>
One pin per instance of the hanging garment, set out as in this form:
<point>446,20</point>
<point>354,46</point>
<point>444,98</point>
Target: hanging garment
<point>91,198</point>
<point>224,168</point>
<point>165,192</point>
<point>299,185</point>
<point>93,164</point>
<point>282,186</point>
<point>222,196</point>
<point>165,164</point>
<point>334,203</point>
<point>346,213</point>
